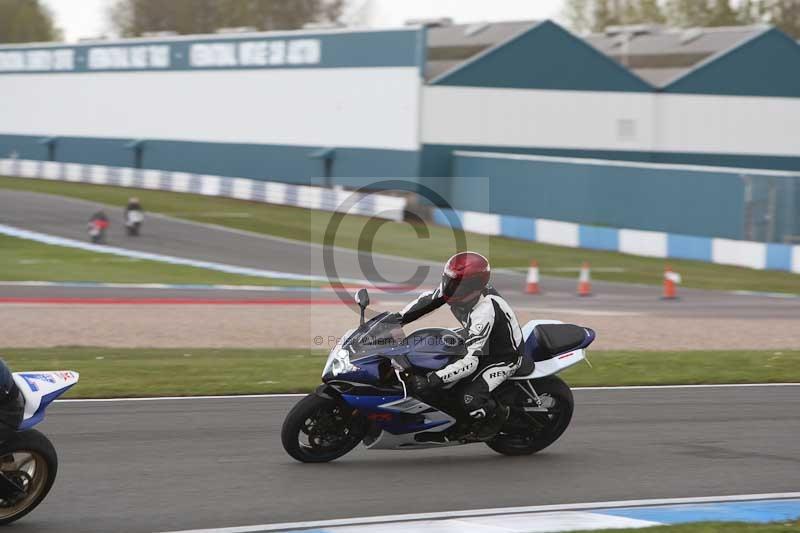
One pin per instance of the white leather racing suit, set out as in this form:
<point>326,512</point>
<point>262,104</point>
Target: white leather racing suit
<point>493,340</point>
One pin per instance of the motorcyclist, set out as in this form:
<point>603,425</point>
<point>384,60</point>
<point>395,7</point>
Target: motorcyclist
<point>133,223</point>
<point>133,205</point>
<point>98,224</point>
<point>492,337</point>
<point>101,217</point>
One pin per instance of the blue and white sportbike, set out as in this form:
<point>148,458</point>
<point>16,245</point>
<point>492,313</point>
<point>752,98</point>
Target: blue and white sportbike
<point>28,461</point>
<point>364,396</point>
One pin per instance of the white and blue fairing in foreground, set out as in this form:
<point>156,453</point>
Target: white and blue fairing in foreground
<point>39,389</point>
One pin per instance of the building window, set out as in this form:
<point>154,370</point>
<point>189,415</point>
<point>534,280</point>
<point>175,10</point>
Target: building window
<point>626,129</point>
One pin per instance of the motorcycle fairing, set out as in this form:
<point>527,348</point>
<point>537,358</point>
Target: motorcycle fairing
<point>435,421</point>
<point>397,407</point>
<point>39,389</point>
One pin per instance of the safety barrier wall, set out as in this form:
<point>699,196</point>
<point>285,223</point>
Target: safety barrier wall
<point>731,203</point>
<point>375,205</point>
<point>749,254</point>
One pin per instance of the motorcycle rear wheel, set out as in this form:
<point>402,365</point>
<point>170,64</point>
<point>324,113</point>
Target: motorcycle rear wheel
<point>318,430</point>
<point>544,428</point>
<point>29,460</point>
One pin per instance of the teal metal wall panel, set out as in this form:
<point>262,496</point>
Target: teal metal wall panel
<point>676,201</point>
<point>545,57</point>
<point>766,65</point>
<point>437,159</point>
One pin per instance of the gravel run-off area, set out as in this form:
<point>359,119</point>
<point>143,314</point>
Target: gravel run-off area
<point>316,327</point>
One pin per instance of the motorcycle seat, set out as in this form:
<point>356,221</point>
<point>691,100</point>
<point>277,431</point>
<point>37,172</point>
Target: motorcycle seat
<point>559,338</point>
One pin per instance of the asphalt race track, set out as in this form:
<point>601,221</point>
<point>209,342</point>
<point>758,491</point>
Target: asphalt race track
<point>67,217</point>
<point>164,465</point>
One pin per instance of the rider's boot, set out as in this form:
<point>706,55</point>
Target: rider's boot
<point>489,427</point>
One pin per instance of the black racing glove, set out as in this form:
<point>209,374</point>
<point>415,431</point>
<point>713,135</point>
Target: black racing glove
<point>426,383</point>
<point>394,318</point>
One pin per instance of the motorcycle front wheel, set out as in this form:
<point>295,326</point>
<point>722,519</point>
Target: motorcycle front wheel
<point>318,430</point>
<point>29,462</point>
<point>528,432</point>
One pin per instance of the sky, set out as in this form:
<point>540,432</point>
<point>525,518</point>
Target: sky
<point>87,18</point>
<point>80,18</point>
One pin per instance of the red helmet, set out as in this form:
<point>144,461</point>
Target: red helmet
<point>465,276</point>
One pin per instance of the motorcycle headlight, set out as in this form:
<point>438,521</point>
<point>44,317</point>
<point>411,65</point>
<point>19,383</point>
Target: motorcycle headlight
<point>338,363</point>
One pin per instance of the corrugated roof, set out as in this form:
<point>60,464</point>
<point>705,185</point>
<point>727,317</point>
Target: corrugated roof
<point>478,33</point>
<point>655,53</point>
<point>451,45</point>
<point>659,77</point>
<point>660,55</point>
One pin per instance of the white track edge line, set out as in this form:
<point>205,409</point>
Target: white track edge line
<point>298,395</point>
<point>494,511</point>
<point>170,398</point>
<point>689,386</point>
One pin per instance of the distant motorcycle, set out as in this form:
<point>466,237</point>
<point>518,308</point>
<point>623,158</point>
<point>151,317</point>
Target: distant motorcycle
<point>133,221</point>
<point>28,461</point>
<point>97,230</point>
<point>364,396</point>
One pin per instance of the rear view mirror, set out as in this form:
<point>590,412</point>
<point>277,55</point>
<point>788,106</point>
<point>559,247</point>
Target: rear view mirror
<point>362,299</point>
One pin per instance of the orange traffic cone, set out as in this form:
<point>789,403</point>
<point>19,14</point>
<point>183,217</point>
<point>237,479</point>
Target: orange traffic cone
<point>585,280</point>
<point>532,281</point>
<point>671,280</point>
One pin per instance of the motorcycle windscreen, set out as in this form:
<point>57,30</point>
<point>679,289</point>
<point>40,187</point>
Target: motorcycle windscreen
<point>39,389</point>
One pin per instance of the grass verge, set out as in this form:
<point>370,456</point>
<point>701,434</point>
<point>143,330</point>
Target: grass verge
<point>109,372</point>
<point>402,239</point>
<point>23,260</point>
<point>720,527</point>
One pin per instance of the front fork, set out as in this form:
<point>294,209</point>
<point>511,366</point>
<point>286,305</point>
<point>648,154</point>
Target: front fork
<point>328,392</point>
<point>359,423</point>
